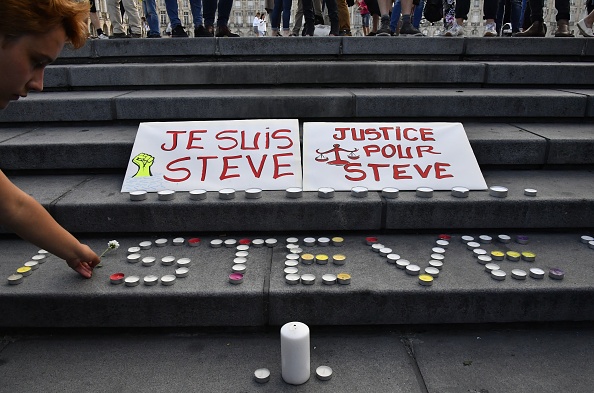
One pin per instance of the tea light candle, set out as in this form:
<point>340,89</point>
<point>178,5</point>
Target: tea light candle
<point>359,192</point>
<point>216,243</point>
<point>442,243</point>
<point>262,375</point>
<point>425,280</point>
<point>183,262</point>
<point>392,258</point>
<point>472,245</point>
<point>436,264</point>
<point>377,247</point>
<point>42,251</point>
<point>324,373</point>
<point>291,263</point>
<point>460,192</point>
<point>522,239</point>
<point>293,193</point>
<point>432,271</point>
<point>133,250</point>
<point>242,247</point>
<point>242,254</point>
<point>15,279</point>
<point>412,270</point>
<point>528,256</point>
<point>292,240</point>
<point>138,195</point>
<point>39,258</point>
<point>446,237</point>
<point>402,263</point>
<point>32,264</point>
<point>148,261</point>
<point>198,195</point>
<point>329,279</point>
<point>518,274</point>
<point>117,278</point>
<point>370,240</point>
<point>258,242</point>
<point>295,353</point>
<point>309,241</point>
<point>271,242</point>
<point>339,241</point>
<point>132,281</point>
<point>498,275</point>
<point>182,272</point>
<point>146,245</point>
<point>536,273</point>
<point>438,250</point>
<point>168,279</point>
<point>292,279</point>
<point>531,192</point>
<point>178,241</point>
<point>438,257</point>
<point>307,259</point>
<point>591,244</point>
<point>390,192</point>
<point>485,239</point>
<point>424,192</point>
<point>235,278</point>
<point>491,266</point>
<point>308,279</point>
<point>556,274</point>
<point>498,191</point>
<point>343,278</point>
<point>338,259</point>
<point>321,259</point>
<point>150,280</point>
<point>230,243</point>
<point>291,270</point>
<point>239,268</point>
<point>323,241</point>
<point>478,252</point>
<point>194,242</point>
<point>161,242</point>
<point>294,257</point>
<point>385,251</point>
<point>168,260</point>
<point>484,259</point>
<point>227,194</point>
<point>498,255</point>
<point>166,195</point>
<point>133,258</point>
<point>466,239</point>
<point>244,244</point>
<point>24,270</point>
<point>586,239</point>
<point>253,193</point>
<point>504,239</point>
<point>326,193</point>
<point>512,256</point>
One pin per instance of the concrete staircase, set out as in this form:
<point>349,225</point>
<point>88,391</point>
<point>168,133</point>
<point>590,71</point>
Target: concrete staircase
<point>527,106</point>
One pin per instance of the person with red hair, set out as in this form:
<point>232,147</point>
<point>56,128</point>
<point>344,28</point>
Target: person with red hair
<point>32,35</point>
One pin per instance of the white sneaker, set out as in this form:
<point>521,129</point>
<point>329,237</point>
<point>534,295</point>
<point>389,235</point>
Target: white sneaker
<point>103,37</point>
<point>490,30</point>
<point>585,30</point>
<point>454,31</point>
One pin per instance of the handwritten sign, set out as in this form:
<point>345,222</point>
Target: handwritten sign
<point>213,155</point>
<point>378,155</point>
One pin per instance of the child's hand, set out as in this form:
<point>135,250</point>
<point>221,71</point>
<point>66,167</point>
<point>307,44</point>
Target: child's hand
<point>85,262</point>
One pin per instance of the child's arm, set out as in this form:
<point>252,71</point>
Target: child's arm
<point>27,218</point>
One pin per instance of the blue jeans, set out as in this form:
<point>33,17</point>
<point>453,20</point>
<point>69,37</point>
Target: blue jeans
<point>416,19</point>
<point>286,10</point>
<point>150,12</point>
<point>173,12</point>
<point>515,13</point>
<point>210,8</point>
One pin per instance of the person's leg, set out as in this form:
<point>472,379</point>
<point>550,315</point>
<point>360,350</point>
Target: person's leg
<point>173,12</point>
<point>384,7</point>
<point>298,21</point>
<point>286,16</point>
<point>395,18</point>
<point>586,24</point>
<point>333,15</point>
<point>344,17</point>
<point>224,12</point>
<point>113,10</point>
<point>275,17</point>
<point>562,19</point>
<point>418,14</point>
<point>462,9</point>
<point>537,28</point>
<point>490,12</point>
<point>515,13</point>
<point>499,15</point>
<point>449,16</point>
<point>308,15</point>
<point>365,22</point>
<point>407,28</point>
<point>209,9</point>
<point>150,12</point>
<point>196,9</point>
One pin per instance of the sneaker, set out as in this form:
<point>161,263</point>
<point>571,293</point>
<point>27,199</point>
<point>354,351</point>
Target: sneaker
<point>102,37</point>
<point>179,32</point>
<point>384,30</point>
<point>454,31</point>
<point>201,31</point>
<point>585,30</point>
<point>409,29</point>
<point>490,30</point>
<point>223,31</point>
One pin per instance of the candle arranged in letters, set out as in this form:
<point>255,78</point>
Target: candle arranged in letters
<point>295,353</point>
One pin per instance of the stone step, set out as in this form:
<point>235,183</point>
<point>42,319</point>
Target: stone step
<point>379,292</point>
<point>311,73</point>
<point>86,147</point>
<point>94,204</point>
<point>328,48</point>
<point>504,104</point>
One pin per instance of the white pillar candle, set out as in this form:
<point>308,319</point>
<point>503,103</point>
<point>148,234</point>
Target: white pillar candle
<point>295,353</point>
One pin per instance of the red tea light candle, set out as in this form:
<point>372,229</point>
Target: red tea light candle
<point>343,278</point>
<point>528,256</point>
<point>117,278</point>
<point>15,279</point>
<point>307,259</point>
<point>194,242</point>
<point>235,278</point>
<point>443,236</point>
<point>338,259</point>
<point>322,259</point>
<point>245,242</point>
<point>556,274</point>
<point>370,240</point>
<point>132,281</point>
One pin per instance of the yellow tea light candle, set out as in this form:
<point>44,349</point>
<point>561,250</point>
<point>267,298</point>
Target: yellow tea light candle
<point>321,259</point>
<point>338,259</point>
<point>343,278</point>
<point>307,259</point>
<point>425,280</point>
<point>513,256</point>
<point>24,270</point>
<point>337,241</point>
<point>528,256</point>
<point>497,255</point>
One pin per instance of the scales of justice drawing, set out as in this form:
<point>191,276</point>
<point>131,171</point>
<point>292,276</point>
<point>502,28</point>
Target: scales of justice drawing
<point>338,160</point>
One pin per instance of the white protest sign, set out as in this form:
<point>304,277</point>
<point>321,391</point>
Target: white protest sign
<point>377,155</point>
<point>213,155</point>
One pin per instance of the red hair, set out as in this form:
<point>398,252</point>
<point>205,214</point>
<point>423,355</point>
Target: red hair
<point>21,17</point>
